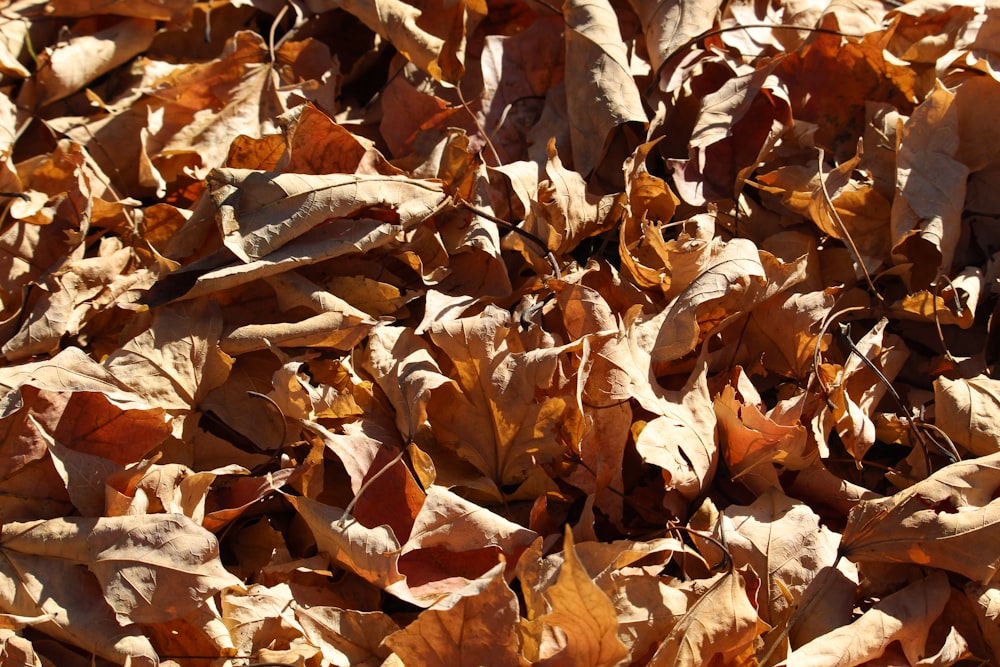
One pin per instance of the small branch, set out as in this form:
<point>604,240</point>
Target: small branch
<point>520,232</point>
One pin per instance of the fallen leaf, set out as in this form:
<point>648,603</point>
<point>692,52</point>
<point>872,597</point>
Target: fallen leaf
<point>942,521</point>
<point>904,617</point>
<point>474,626</point>
<point>965,409</point>
<point>583,615</point>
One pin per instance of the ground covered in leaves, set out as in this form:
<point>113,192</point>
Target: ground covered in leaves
<point>370,332</point>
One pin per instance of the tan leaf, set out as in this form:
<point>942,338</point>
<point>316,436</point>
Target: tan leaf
<point>91,422</point>
<point>931,187</point>
<point>496,415</point>
<point>260,616</point>
<point>943,521</point>
<point>84,475</point>
<point>318,145</point>
<point>732,280</point>
<point>750,437</point>
<point>858,216</point>
<point>162,10</point>
<point>855,391</point>
<point>681,439</point>
<point>905,617</point>
<point>986,605</point>
<point>669,25</point>
<point>583,614</point>
<point>262,211</point>
<point>16,650</point>
<point>65,602</point>
<point>966,409</point>
<point>69,371</point>
<point>152,568</point>
<point>471,627</point>
<point>371,553</point>
<point>332,329</point>
<point>767,332</point>
<point>77,61</point>
<point>720,623</point>
<point>517,70</point>
<point>405,369</point>
<point>177,360</point>
<point>430,35</point>
<point>562,212</point>
<point>348,637</point>
<point>793,556</point>
<point>603,102</point>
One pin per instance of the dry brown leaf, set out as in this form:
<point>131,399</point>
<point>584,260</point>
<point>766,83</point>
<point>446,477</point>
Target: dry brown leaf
<point>74,63</point>
<point>370,553</point>
<point>474,626</point>
<point>750,438</point>
<point>350,638</point>
<point>931,186</point>
<point>794,557</point>
<point>518,70</point>
<point>854,391</point>
<point>268,265</point>
<point>490,415</point>
<point>721,623</point>
<point>430,34</point>
<point>945,521</point>
<point>904,617</point>
<point>967,409</point>
<point>732,279</point>
<point>261,212</point>
<point>162,10</point>
<point>669,25</point>
<point>584,618</point>
<point>605,110</point>
<point>177,360</point>
<point>404,367</point>
<point>150,568</point>
<point>260,616</point>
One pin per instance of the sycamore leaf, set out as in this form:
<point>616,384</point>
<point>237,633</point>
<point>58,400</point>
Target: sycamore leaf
<point>177,360</point>
<point>793,556</point>
<point>669,25</point>
<point>161,10</point>
<point>750,438</point>
<point>931,186</point>
<point>471,627</point>
<point>722,622</point>
<point>733,279</point>
<point>905,617</point>
<point>404,367</point>
<point>151,568</point>
<point>371,553</point>
<point>946,521</point>
<point>429,35</point>
<point>603,99</point>
<point>967,409</point>
<point>501,413</point>
<point>261,212</point>
<point>681,439</point>
<point>584,616</point>
<point>78,61</point>
<point>346,636</point>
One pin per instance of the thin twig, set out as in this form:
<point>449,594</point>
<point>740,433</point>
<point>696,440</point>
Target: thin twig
<point>520,232</point>
<point>479,126</point>
<point>843,228</point>
<point>845,332</point>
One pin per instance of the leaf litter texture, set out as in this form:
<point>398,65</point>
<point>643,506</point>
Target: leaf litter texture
<point>498,332</point>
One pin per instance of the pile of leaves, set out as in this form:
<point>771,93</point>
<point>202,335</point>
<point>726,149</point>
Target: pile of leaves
<point>371,332</point>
